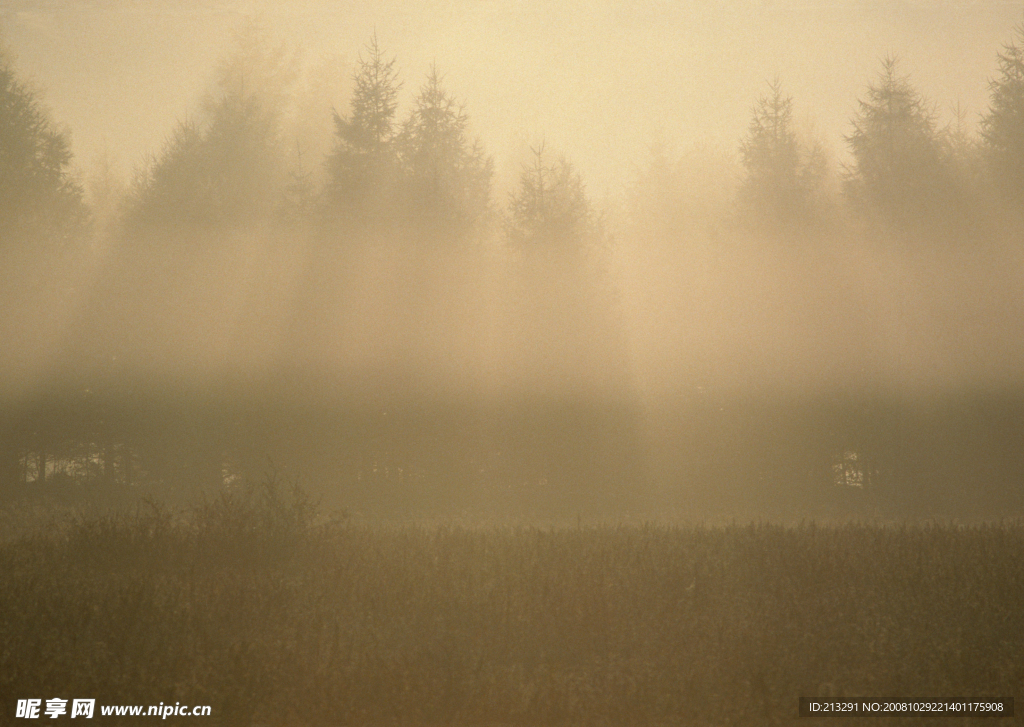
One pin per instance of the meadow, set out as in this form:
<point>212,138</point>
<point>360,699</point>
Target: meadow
<point>257,604</point>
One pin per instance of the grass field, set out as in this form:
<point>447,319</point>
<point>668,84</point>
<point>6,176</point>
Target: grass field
<point>253,605</point>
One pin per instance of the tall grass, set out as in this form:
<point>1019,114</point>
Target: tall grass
<point>257,606</point>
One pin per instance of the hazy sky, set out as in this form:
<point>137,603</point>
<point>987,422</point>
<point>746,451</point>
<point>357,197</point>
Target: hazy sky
<point>600,82</point>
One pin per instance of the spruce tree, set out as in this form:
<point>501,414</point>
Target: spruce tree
<point>227,166</point>
<point>40,200</point>
<point>551,207</point>
<point>448,178</point>
<point>363,169</point>
<point>898,170</point>
<point>783,176</point>
<point>1002,126</point>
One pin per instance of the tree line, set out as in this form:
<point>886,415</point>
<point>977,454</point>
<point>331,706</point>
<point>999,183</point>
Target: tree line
<point>233,164</point>
<point>423,171</point>
<point>906,169</point>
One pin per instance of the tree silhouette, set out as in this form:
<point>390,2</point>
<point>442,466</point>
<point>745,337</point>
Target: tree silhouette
<point>40,201</point>
<point>448,178</point>
<point>550,208</point>
<point>782,175</point>
<point>1002,126</point>
<point>42,217</point>
<point>363,169</point>
<point>898,167</point>
<point>228,167</point>
<point>964,154</point>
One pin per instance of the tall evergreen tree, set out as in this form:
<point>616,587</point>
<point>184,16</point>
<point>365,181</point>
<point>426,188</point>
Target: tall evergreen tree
<point>898,166</point>
<point>782,175</point>
<point>1002,126</point>
<point>363,169</point>
<point>42,216</point>
<point>40,200</point>
<point>448,177</point>
<point>227,167</point>
<point>551,207</point>
<point>964,149</point>
<point>565,328</point>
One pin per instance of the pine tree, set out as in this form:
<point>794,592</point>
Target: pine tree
<point>551,206</point>
<point>783,176</point>
<point>227,167</point>
<point>898,167</point>
<point>42,218</point>
<point>448,178</point>
<point>363,169</point>
<point>1002,127</point>
<point>40,200</point>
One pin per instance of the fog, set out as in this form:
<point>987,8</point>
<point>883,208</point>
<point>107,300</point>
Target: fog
<point>591,295</point>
